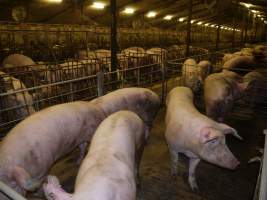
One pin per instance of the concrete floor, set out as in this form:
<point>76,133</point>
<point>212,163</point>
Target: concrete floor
<point>215,183</point>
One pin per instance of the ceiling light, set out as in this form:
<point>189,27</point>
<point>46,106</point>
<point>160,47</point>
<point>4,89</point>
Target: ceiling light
<point>181,19</point>
<point>98,5</point>
<point>151,14</point>
<point>247,5</point>
<point>192,21</point>
<point>254,11</point>
<point>54,1</point>
<point>168,17</point>
<point>128,11</point>
<point>212,25</point>
<point>207,24</point>
<point>199,23</point>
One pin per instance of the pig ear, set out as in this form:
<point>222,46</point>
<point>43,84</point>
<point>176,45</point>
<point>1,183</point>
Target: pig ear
<point>242,86</point>
<point>24,179</point>
<point>207,134</point>
<point>229,130</point>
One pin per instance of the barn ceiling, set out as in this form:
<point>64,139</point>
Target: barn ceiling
<point>81,12</point>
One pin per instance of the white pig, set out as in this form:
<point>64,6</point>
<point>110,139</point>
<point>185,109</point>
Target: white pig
<point>190,75</point>
<point>31,148</point>
<point>17,60</point>
<point>35,144</point>
<point>108,170</point>
<point>220,92</point>
<point>23,99</point>
<point>195,135</point>
<point>204,69</point>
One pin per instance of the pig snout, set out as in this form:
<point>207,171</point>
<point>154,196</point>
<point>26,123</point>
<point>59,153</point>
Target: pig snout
<point>220,155</point>
<point>233,163</point>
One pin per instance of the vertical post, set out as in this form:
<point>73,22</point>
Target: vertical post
<point>113,38</point>
<point>243,27</point>
<point>188,37</point>
<point>218,37</point>
<point>234,24</point>
<point>100,83</point>
<point>246,28</point>
<point>256,29</point>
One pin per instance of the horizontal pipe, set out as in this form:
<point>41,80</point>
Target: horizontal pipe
<point>10,192</point>
<point>263,190</point>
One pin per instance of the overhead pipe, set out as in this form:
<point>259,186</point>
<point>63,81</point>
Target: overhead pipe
<point>10,192</point>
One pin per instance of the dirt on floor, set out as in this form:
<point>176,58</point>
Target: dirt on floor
<point>215,183</point>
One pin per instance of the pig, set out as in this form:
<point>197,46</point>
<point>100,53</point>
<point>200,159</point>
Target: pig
<point>17,60</point>
<point>195,135</point>
<point>23,99</point>
<point>31,147</point>
<point>158,54</point>
<point>190,75</point>
<point>228,56</point>
<point>108,170</point>
<point>256,93</point>
<point>220,91</point>
<point>142,101</point>
<point>136,56</point>
<point>204,69</point>
<point>104,56</point>
<point>35,144</point>
<point>239,64</point>
<point>86,54</point>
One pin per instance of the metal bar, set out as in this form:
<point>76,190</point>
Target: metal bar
<point>218,38</point>
<point>256,29</point>
<point>263,191</point>
<point>113,38</point>
<point>246,27</point>
<point>188,37</point>
<point>10,192</point>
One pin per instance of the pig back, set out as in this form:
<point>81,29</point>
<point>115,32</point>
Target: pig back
<point>141,101</point>
<point>112,156</point>
<point>41,139</point>
<point>17,60</point>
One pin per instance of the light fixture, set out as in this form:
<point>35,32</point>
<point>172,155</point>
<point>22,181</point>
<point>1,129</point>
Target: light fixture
<point>192,21</point>
<point>128,10</point>
<point>168,17</point>
<point>151,14</point>
<point>254,11</point>
<point>199,23</point>
<point>247,5</point>
<point>258,15</point>
<point>54,1</point>
<point>207,24</point>
<point>212,25</point>
<point>181,19</point>
<point>98,5</point>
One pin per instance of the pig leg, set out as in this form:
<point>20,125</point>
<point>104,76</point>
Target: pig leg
<point>82,148</point>
<point>53,190</point>
<point>193,162</point>
<point>137,164</point>
<point>174,161</point>
<point>24,179</point>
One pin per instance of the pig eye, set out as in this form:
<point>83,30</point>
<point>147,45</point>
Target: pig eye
<point>213,141</point>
